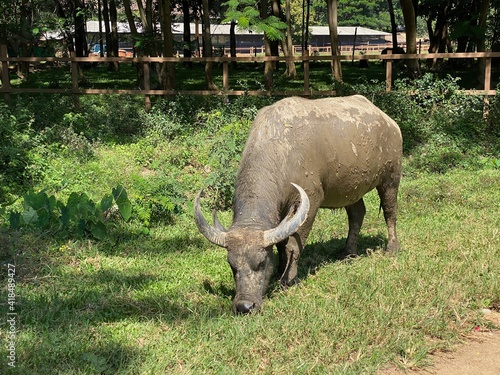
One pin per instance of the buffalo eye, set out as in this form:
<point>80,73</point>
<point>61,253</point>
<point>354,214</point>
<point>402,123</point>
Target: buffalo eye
<point>261,265</point>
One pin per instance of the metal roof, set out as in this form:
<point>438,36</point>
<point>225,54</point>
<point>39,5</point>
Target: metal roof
<point>178,28</point>
<point>348,30</point>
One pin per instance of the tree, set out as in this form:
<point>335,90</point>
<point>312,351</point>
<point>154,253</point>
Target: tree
<point>334,40</point>
<point>167,73</point>
<point>291,71</point>
<point>268,65</point>
<point>113,39</point>
<point>232,42</point>
<point>256,17</point>
<point>78,8</point>
<point>394,27</point>
<point>410,19</point>
<point>484,8</point>
<point>207,46</point>
<point>139,50</point>
<point>186,36</point>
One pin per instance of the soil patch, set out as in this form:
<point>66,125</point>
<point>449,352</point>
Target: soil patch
<point>479,355</point>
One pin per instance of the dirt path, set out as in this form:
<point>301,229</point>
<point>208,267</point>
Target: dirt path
<point>480,355</point>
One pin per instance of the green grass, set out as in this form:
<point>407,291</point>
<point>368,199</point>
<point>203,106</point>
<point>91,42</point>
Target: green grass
<point>161,303</point>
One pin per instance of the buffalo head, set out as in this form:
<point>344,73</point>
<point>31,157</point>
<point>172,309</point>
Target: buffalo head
<point>250,251</point>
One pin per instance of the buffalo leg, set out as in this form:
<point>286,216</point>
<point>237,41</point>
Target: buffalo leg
<point>389,203</point>
<point>355,214</point>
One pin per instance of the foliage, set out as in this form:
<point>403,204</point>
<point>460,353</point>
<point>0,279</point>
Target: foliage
<point>15,133</point>
<point>494,115</point>
<point>437,122</point>
<point>247,16</point>
<point>80,215</point>
<point>186,142</point>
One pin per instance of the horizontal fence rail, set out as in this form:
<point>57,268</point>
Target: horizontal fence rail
<point>73,61</point>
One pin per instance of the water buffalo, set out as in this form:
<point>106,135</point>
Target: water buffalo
<point>301,155</point>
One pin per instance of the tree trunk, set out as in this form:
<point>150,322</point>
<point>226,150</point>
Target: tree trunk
<point>411,34</point>
<point>484,8</point>
<point>138,50</point>
<point>232,42</point>
<point>332,6</point>
<point>101,44</point>
<point>80,37</point>
<point>268,65</point>
<point>146,16</point>
<point>107,28</point>
<point>114,47</point>
<point>168,68</point>
<point>275,44</point>
<point>207,46</point>
<point>22,66</point>
<point>394,27</point>
<point>439,36</point>
<point>186,36</point>
<point>291,71</point>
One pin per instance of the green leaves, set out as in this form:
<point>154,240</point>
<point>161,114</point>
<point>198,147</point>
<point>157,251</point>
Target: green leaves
<point>121,199</point>
<point>80,215</point>
<point>247,16</point>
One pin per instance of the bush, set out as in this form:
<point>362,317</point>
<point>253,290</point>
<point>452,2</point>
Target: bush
<point>17,137</point>
<point>80,216</point>
<point>494,115</point>
<point>187,141</point>
<point>442,128</point>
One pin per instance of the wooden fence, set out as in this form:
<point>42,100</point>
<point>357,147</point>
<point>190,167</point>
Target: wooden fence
<point>73,61</point>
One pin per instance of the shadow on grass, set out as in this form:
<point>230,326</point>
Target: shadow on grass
<point>317,254</point>
<point>75,318</point>
<point>314,256</point>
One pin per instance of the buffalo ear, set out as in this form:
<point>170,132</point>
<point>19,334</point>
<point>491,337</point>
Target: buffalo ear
<point>290,224</point>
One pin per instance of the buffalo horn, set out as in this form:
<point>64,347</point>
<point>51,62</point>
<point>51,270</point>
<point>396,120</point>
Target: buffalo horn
<point>213,234</point>
<point>290,224</point>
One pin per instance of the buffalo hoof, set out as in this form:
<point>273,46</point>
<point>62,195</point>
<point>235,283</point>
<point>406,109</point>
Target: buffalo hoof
<point>393,248</point>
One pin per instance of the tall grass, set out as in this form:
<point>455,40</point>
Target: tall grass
<point>157,301</point>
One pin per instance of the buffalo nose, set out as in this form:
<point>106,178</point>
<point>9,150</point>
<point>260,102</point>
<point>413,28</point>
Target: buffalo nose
<point>244,307</point>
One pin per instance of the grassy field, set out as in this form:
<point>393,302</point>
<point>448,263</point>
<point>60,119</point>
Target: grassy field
<point>154,296</point>
<point>161,303</point>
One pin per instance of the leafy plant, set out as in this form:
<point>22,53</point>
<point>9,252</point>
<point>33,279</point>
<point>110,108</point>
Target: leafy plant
<point>248,16</point>
<point>80,215</point>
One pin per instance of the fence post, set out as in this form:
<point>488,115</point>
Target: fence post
<point>225,75</point>
<point>487,74</point>
<point>305,62</point>
<point>487,86</point>
<point>147,87</point>
<point>5,72</point>
<point>388,73</point>
<point>74,80</point>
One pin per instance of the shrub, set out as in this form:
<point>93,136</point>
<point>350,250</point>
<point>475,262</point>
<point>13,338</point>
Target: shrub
<point>441,127</point>
<point>17,137</point>
<point>80,216</point>
<point>494,115</point>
